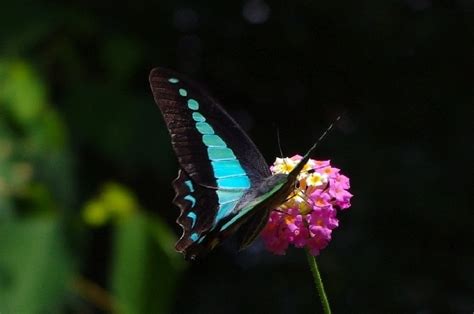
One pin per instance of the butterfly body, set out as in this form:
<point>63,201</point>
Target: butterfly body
<point>224,184</point>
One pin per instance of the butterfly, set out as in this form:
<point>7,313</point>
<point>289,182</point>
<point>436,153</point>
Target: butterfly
<point>224,186</point>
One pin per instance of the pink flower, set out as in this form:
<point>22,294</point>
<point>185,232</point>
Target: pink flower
<point>320,198</point>
<point>319,239</point>
<point>307,220</point>
<point>323,217</point>
<point>275,235</point>
<point>297,226</point>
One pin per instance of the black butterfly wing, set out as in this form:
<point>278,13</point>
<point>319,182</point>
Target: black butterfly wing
<point>219,162</point>
<point>195,203</point>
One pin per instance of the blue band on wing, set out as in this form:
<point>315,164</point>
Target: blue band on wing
<point>204,128</point>
<point>237,182</point>
<point>220,153</point>
<point>227,170</point>
<point>190,186</point>
<point>193,104</point>
<point>191,198</point>
<point>193,217</point>
<point>212,140</point>
<point>194,237</point>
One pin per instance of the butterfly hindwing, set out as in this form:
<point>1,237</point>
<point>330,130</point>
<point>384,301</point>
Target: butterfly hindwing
<point>219,162</point>
<point>197,205</point>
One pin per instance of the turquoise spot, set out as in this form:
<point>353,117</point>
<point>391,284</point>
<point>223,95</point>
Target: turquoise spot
<point>226,168</point>
<point>212,140</point>
<point>204,128</point>
<point>193,104</point>
<point>193,216</point>
<point>225,210</point>
<point>228,196</point>
<point>191,199</point>
<point>173,80</point>
<point>198,117</point>
<point>194,236</point>
<point>183,92</point>
<point>220,153</point>
<point>240,182</point>
<point>190,186</point>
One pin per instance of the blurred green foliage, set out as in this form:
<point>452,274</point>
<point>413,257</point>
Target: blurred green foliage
<point>35,266</point>
<point>145,272</point>
<point>114,203</point>
<point>33,144</point>
<point>40,265</point>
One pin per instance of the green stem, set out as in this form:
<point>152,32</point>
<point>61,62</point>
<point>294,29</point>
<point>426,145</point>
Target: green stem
<point>318,282</point>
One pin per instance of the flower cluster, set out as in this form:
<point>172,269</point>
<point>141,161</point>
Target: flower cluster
<point>309,216</point>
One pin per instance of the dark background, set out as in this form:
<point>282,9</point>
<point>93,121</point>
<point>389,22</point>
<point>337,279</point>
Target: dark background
<point>401,70</point>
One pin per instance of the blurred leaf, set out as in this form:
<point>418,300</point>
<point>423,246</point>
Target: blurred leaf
<point>23,99</point>
<point>121,202</point>
<point>50,132</point>
<point>42,198</point>
<point>21,91</point>
<point>95,213</point>
<point>34,266</point>
<point>114,202</point>
<point>145,275</point>
<point>6,207</point>
<point>33,141</point>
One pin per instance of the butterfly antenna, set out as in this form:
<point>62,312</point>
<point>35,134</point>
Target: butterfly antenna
<point>328,130</point>
<point>279,142</point>
<point>279,145</point>
<point>305,158</point>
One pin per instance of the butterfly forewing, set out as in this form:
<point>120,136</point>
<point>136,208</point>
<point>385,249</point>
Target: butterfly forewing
<point>219,162</point>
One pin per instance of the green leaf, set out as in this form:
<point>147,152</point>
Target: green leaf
<point>34,266</point>
<point>33,140</point>
<point>144,275</point>
<point>21,92</point>
<point>115,202</point>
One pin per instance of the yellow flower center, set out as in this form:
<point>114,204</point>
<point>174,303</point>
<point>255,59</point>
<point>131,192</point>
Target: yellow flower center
<point>316,179</point>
